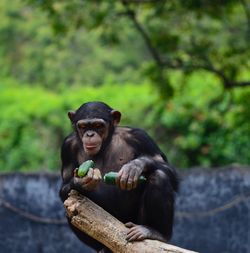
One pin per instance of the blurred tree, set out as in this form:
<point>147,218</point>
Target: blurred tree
<point>180,35</point>
<point>196,52</point>
<point>30,53</point>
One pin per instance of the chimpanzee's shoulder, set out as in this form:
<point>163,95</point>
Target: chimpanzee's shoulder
<point>131,132</point>
<point>69,139</point>
<point>70,143</point>
<point>139,140</point>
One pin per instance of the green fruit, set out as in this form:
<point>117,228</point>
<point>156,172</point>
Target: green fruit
<point>110,177</point>
<point>84,168</point>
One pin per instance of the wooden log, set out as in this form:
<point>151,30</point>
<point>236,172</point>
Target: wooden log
<point>100,225</point>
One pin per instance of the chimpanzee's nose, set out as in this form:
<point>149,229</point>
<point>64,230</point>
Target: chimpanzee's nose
<point>90,134</point>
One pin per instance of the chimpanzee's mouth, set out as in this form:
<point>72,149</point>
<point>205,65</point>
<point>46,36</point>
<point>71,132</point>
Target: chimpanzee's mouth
<point>90,147</point>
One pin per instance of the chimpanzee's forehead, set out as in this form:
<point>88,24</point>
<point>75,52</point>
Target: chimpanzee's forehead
<point>93,110</point>
<point>93,113</point>
<point>91,121</point>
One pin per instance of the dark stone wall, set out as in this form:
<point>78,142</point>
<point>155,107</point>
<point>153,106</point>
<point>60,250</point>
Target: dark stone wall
<point>213,213</point>
<point>213,210</point>
<point>35,194</point>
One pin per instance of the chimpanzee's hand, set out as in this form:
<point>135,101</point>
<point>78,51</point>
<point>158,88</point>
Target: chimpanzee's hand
<point>138,232</point>
<point>141,232</point>
<point>129,174</point>
<point>90,181</point>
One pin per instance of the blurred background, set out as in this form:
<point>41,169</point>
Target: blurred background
<point>178,69</point>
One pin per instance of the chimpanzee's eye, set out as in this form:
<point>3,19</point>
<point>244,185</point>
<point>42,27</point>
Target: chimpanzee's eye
<point>81,125</point>
<point>98,125</point>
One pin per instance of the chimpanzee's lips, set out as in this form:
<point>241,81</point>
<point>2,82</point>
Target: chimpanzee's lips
<point>90,146</point>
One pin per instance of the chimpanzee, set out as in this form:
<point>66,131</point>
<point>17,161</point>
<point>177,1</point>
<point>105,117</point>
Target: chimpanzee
<point>147,209</point>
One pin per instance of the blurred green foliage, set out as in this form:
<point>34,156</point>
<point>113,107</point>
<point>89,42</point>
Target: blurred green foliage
<point>199,126</point>
<point>32,53</point>
<point>43,75</point>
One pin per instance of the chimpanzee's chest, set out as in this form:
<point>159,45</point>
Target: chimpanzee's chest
<point>118,155</point>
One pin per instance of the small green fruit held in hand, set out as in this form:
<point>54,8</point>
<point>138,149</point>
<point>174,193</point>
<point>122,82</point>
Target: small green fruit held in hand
<point>84,168</point>
<point>110,177</point>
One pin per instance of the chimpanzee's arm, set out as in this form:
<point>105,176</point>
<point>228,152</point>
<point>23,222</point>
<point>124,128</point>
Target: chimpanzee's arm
<point>148,159</point>
<point>69,153</point>
<point>68,166</point>
<point>151,164</point>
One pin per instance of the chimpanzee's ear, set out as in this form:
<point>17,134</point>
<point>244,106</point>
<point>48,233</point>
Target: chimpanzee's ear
<point>116,116</point>
<point>71,115</point>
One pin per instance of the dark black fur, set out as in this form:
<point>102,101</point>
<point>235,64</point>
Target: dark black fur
<point>150,204</point>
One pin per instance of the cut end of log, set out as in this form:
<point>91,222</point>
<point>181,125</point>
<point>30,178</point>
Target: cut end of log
<point>71,204</point>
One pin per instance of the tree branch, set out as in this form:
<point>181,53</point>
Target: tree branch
<point>178,63</point>
<point>234,84</point>
<point>97,223</point>
<point>131,14</point>
<point>227,83</point>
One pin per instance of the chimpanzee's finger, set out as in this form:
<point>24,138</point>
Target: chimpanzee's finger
<point>125,177</point>
<point>130,182</point>
<point>90,173</point>
<point>123,181</point>
<point>133,235</point>
<point>129,224</point>
<point>81,181</point>
<point>135,179</point>
<point>118,178</point>
<point>75,172</point>
<point>97,175</point>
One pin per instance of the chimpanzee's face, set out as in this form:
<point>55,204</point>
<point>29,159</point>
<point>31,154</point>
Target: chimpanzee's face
<point>92,133</point>
<point>93,123</point>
